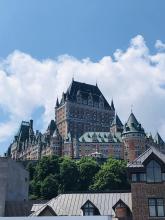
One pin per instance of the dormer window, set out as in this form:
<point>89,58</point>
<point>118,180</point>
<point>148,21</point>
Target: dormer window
<point>153,171</point>
<point>90,100</point>
<point>78,97</point>
<point>101,102</point>
<point>90,209</point>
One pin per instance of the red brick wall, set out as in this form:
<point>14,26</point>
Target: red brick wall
<point>140,194</point>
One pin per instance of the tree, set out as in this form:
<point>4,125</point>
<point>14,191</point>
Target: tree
<point>112,176</point>
<point>47,165</point>
<point>31,168</point>
<point>34,188</point>
<point>88,167</point>
<point>68,175</point>
<point>49,187</point>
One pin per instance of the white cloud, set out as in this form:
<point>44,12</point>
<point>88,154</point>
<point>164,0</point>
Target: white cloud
<point>160,45</point>
<point>134,76</point>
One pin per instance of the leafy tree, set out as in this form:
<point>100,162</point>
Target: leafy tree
<point>112,176</point>
<point>34,188</point>
<point>68,175</point>
<point>88,167</point>
<point>47,165</point>
<point>49,187</point>
<point>31,168</point>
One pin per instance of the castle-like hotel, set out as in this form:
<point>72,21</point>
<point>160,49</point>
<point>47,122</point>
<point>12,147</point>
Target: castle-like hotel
<point>85,125</point>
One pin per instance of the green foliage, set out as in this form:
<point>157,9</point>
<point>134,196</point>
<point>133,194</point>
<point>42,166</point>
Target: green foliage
<point>53,175</point>
<point>88,168</point>
<point>31,168</point>
<point>68,175</point>
<point>46,166</point>
<point>49,187</point>
<point>111,176</point>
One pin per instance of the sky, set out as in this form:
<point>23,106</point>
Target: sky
<point>44,43</point>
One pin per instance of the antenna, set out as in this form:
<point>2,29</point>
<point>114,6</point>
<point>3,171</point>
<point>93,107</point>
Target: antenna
<point>131,108</point>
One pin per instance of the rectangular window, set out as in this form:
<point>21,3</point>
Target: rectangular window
<point>134,179</point>
<point>156,207</point>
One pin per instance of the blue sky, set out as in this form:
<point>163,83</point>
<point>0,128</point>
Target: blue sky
<point>82,28</point>
<point>35,34</point>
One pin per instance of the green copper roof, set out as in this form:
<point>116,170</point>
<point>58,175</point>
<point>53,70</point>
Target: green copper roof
<point>100,137</point>
<point>133,125</point>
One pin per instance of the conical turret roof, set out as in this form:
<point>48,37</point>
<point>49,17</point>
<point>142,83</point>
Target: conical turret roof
<point>133,125</point>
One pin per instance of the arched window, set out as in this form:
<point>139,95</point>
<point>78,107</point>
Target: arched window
<point>90,209</point>
<point>153,172</point>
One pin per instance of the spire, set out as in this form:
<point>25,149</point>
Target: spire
<point>133,125</point>
<point>118,121</point>
<point>158,139</point>
<point>57,103</point>
<point>112,105</point>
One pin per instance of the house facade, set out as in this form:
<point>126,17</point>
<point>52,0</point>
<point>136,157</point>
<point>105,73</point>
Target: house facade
<point>145,201</point>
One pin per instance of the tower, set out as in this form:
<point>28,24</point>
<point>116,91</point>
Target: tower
<point>83,108</point>
<point>133,137</point>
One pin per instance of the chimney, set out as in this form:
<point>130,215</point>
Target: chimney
<point>31,124</point>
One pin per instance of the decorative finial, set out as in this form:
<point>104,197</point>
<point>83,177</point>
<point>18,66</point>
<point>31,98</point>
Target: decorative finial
<point>73,78</point>
<point>96,83</point>
<point>131,108</point>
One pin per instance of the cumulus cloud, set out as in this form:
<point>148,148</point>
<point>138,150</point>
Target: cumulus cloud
<point>160,45</point>
<point>131,77</point>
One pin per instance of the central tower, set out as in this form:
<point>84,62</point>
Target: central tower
<point>83,108</point>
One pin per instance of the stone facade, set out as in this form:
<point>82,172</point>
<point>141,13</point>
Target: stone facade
<point>85,125</point>
<point>83,108</point>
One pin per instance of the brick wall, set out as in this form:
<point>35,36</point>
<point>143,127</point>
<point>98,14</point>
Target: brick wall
<point>140,194</point>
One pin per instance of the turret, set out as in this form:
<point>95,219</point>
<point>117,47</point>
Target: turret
<point>133,136</point>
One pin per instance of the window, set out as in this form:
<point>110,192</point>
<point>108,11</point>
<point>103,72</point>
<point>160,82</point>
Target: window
<point>156,207</point>
<point>90,209</point>
<point>153,172</point>
<point>138,177</point>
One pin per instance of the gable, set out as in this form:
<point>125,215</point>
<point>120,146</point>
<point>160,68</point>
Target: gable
<point>47,211</point>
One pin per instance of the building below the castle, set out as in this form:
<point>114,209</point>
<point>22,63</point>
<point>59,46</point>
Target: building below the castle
<point>145,200</point>
<point>85,124</point>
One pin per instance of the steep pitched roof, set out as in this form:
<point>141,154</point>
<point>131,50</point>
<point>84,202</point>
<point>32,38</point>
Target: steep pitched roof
<point>23,132</point>
<point>112,105</point>
<point>138,162</point>
<point>85,89</point>
<point>158,139</point>
<point>133,125</point>
<point>117,121</point>
<point>70,204</point>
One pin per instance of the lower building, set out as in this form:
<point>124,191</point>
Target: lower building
<point>145,201</point>
<point>14,184</point>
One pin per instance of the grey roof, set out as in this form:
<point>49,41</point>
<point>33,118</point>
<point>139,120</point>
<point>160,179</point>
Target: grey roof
<point>133,125</point>
<point>100,137</point>
<point>70,204</point>
<point>158,139</point>
<point>138,162</point>
<point>85,90</point>
<point>117,121</point>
